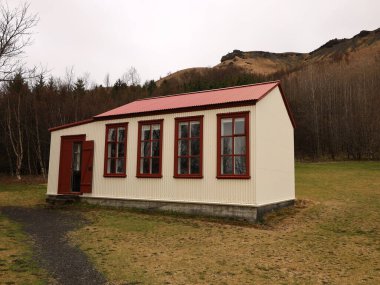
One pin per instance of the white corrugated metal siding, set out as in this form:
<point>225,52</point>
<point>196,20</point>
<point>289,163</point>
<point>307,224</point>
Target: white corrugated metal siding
<point>206,190</point>
<point>274,151</point>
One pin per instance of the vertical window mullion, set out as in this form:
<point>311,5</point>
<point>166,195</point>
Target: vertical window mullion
<point>116,145</point>
<point>116,149</point>
<point>233,145</point>
<point>150,147</point>
<point>188,146</point>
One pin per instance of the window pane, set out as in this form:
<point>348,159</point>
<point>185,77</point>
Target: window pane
<point>121,134</point>
<point>144,165</point>
<point>194,165</point>
<point>155,165</point>
<point>76,162</point>
<point>120,150</point>
<point>239,145</point>
<point>145,149</point>
<point>195,129</point>
<point>183,165</point>
<point>111,149</point>
<point>156,131</point>
<point>76,147</point>
<point>156,148</point>
<point>195,147</point>
<point>226,127</point>
<point>239,126</point>
<point>111,165</point>
<point>145,132</point>
<point>226,145</point>
<point>76,156</point>
<point>183,130</point>
<point>227,167</point>
<point>111,135</point>
<point>240,166</point>
<point>183,147</point>
<point>120,165</point>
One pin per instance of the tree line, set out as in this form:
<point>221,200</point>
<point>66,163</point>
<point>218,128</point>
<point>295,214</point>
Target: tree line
<point>336,109</point>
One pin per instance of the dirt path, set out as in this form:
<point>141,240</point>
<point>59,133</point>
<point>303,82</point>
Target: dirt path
<point>48,228</point>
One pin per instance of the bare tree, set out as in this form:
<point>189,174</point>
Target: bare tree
<point>69,78</point>
<point>131,77</point>
<point>38,90</point>
<point>86,80</point>
<point>15,35</point>
<point>107,81</point>
<point>13,115</point>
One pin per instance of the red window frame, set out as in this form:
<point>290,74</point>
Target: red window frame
<point>139,141</point>
<point>232,116</point>
<point>108,127</point>
<point>177,138</point>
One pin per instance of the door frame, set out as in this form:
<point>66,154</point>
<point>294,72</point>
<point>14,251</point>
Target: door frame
<point>73,138</point>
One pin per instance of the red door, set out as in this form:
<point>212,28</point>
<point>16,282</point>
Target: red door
<point>86,168</point>
<point>75,166</point>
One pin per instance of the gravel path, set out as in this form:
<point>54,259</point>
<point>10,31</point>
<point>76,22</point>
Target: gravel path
<point>48,228</point>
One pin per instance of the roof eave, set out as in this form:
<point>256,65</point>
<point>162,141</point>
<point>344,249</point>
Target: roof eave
<point>69,125</point>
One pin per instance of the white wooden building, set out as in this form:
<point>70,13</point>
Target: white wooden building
<point>224,152</point>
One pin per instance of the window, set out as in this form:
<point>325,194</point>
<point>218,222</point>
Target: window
<point>233,145</point>
<point>149,158</point>
<point>188,147</point>
<point>76,167</point>
<point>115,150</point>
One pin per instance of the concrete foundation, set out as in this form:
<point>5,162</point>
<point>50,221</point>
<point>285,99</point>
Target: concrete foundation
<point>247,213</point>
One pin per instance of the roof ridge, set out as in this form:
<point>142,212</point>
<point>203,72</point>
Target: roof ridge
<point>207,90</point>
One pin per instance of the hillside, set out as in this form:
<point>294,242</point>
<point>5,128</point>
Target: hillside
<point>361,49</point>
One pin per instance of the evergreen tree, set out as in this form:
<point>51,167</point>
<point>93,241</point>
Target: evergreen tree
<point>79,87</point>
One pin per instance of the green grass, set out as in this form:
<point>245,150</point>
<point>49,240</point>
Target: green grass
<point>350,191</point>
<point>19,194</point>
<point>331,236</point>
<point>17,265</point>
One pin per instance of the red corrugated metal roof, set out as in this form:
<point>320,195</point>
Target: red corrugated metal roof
<point>243,93</point>
<point>225,97</point>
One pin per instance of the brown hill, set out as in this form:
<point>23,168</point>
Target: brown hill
<point>181,73</point>
<point>361,49</point>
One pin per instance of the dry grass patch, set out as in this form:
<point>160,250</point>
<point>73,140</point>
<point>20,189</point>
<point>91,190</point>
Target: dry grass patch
<point>29,192</point>
<point>330,236</point>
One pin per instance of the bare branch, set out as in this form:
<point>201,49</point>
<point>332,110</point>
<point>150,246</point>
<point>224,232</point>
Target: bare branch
<point>16,27</point>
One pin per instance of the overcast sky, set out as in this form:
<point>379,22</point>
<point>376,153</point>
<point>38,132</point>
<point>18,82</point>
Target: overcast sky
<point>157,37</point>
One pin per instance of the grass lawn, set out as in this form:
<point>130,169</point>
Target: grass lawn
<point>332,236</point>
<point>16,260</point>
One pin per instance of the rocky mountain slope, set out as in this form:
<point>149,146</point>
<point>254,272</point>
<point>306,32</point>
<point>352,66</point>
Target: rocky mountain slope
<point>358,50</point>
